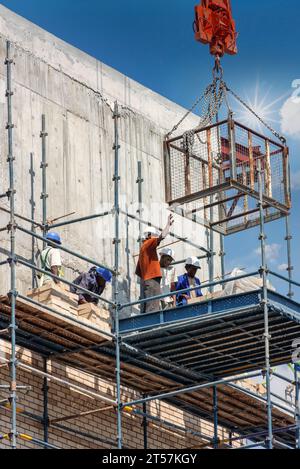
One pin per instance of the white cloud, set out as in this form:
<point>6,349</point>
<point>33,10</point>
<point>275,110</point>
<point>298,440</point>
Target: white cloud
<point>282,267</point>
<point>272,252</point>
<point>290,118</point>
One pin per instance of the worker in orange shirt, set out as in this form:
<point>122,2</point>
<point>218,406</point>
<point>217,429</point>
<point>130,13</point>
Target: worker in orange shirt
<point>148,267</point>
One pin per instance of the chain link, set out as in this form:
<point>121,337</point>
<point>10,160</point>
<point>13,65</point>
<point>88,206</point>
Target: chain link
<point>211,100</point>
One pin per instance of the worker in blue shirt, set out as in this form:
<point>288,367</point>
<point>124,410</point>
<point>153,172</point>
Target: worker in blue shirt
<point>95,281</point>
<point>189,280</point>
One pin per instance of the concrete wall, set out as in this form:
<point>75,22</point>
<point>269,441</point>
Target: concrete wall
<point>53,78</point>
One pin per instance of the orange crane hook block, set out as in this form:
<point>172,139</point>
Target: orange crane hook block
<point>214,25</point>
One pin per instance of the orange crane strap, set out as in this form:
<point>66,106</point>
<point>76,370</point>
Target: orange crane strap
<point>214,25</point>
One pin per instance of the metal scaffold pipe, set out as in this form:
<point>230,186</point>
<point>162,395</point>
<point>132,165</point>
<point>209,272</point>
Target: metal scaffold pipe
<point>79,219</point>
<point>211,256</point>
<point>43,167</point>
<point>185,290</point>
<point>116,241</point>
<point>173,235</point>
<point>61,279</point>
<point>215,407</point>
<point>63,248</point>
<point>182,261</point>
<point>63,428</point>
<point>17,215</point>
<point>140,181</point>
<point>33,226</point>
<point>45,390</point>
<point>191,389</point>
<point>250,436</point>
<point>281,445</point>
<point>297,404</point>
<point>24,436</point>
<point>267,336</point>
<point>250,446</point>
<point>12,228</point>
<point>222,255</point>
<point>290,267</point>
<point>145,424</point>
<point>281,277</point>
<point>64,382</point>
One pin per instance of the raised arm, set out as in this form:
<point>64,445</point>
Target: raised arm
<point>167,228</point>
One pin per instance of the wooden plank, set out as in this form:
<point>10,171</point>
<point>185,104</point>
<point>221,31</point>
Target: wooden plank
<point>27,311</point>
<point>209,296</point>
<point>51,291</point>
<point>58,335</point>
<point>56,303</point>
<point>90,310</point>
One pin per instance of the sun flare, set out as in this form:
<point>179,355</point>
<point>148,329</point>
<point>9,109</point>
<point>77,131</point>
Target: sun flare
<point>266,107</point>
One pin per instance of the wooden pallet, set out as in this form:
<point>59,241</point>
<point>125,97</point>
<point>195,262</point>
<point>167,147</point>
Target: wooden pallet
<point>95,315</point>
<point>58,327</point>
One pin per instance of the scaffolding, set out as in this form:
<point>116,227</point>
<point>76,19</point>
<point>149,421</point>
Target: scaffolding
<point>119,347</point>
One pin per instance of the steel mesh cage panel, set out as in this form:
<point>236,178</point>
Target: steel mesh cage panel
<point>211,176</point>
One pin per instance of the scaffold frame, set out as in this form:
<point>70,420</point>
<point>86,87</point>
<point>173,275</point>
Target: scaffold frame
<point>269,441</point>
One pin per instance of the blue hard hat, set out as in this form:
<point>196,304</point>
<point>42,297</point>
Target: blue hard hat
<point>105,273</point>
<point>52,236</point>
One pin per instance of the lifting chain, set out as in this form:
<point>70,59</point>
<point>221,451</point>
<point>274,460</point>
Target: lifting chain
<point>198,101</point>
<point>212,99</point>
<point>241,101</point>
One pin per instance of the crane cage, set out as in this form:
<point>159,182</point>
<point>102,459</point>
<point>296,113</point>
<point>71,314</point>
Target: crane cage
<point>211,176</point>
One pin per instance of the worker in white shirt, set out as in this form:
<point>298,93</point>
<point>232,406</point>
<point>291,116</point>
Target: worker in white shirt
<point>168,273</point>
<point>50,259</point>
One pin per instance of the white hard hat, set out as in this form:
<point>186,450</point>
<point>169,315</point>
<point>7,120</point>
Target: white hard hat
<point>152,231</point>
<point>193,261</point>
<point>167,252</point>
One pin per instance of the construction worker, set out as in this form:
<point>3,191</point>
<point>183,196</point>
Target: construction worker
<point>189,280</point>
<point>168,273</point>
<point>95,281</point>
<point>50,259</point>
<point>148,266</point>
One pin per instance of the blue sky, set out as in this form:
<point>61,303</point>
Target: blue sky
<point>152,42</point>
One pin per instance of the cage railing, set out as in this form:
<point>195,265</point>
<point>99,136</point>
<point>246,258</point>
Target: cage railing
<point>205,166</point>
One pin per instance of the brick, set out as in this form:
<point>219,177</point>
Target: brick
<point>63,401</point>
